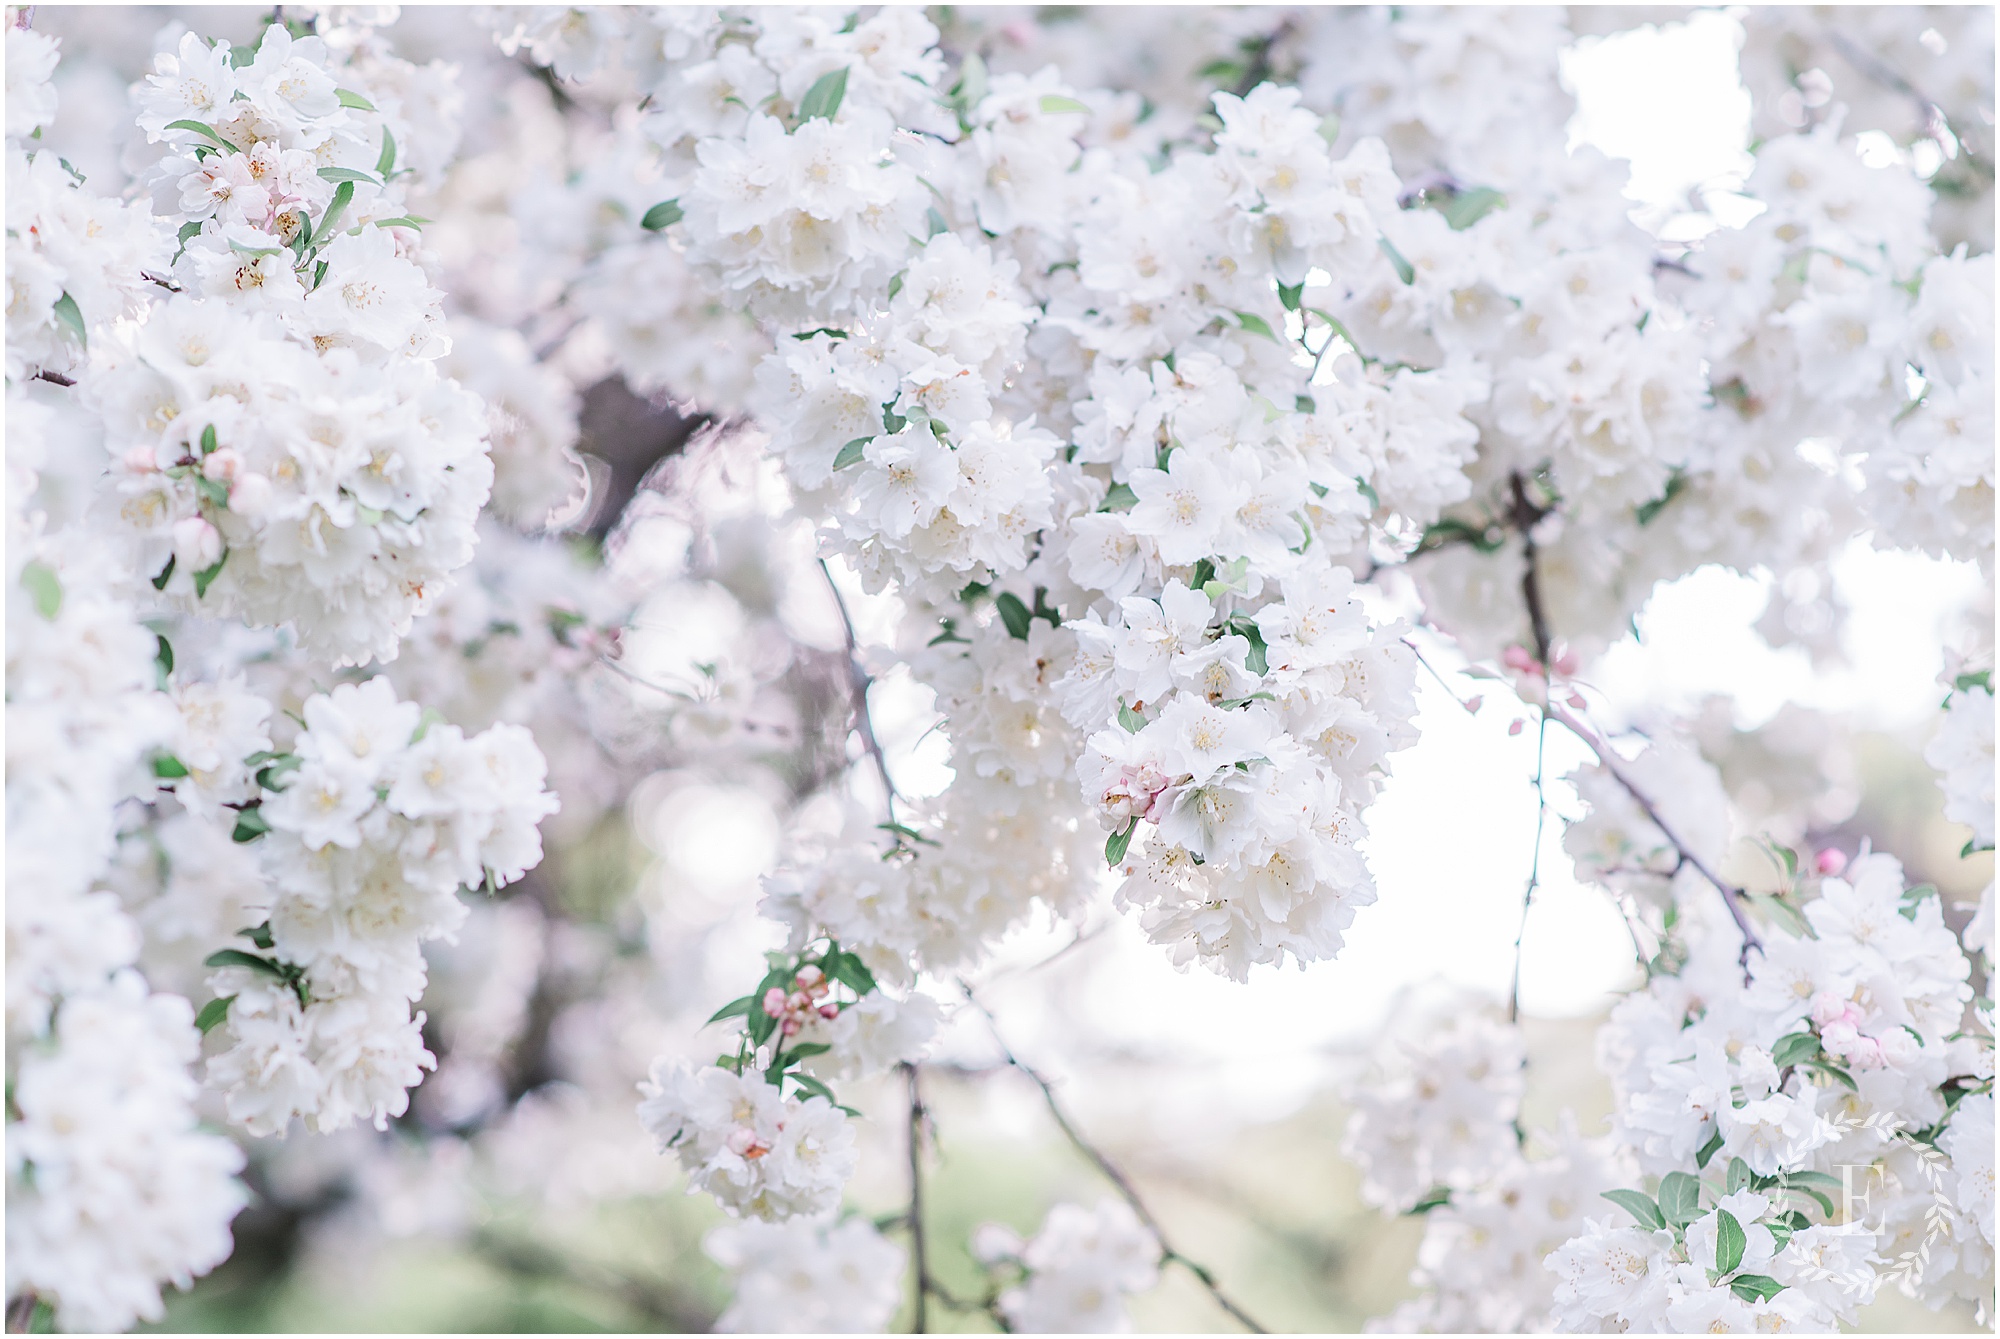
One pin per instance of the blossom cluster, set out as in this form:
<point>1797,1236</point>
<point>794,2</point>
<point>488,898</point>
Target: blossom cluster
<point>1074,1275</point>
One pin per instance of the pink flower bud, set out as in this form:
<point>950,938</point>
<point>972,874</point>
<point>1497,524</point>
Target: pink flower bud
<point>139,460</point>
<point>1576,701</point>
<point>745,1144</point>
<point>829,1011</point>
<point>1515,728</point>
<point>1830,861</point>
<point>1518,658</point>
<point>197,544</point>
<point>808,977</point>
<point>1566,662</point>
<point>790,1027</point>
<point>774,1002</point>
<point>223,464</point>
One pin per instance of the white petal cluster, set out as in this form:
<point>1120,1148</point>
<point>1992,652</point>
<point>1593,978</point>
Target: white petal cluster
<point>1076,1271</point>
<point>758,1153</point>
<point>800,1277</point>
<point>1962,753</point>
<point>287,449</point>
<point>1440,1113</point>
<point>379,817</point>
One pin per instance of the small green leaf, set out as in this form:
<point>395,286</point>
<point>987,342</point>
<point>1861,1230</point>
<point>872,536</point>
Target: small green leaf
<point>1466,208</point>
<point>212,491</point>
<point>1754,1288</point>
<point>738,1008</point>
<point>811,1086</point>
<point>823,99</point>
<point>260,935</point>
<point>1257,325</point>
<point>1794,1048</point>
<point>167,767</point>
<point>403,221</point>
<point>1130,719</point>
<point>1056,102</point>
<point>349,98</point>
<point>213,1013</point>
<point>1680,1198</point>
<point>1979,679</point>
<point>851,972</point>
<point>1014,614</point>
<point>1434,1198</point>
<point>1729,1242</point>
<point>41,582</point>
<point>1708,1150</point>
<point>1834,1072</point>
<point>346,174</point>
<point>662,215</point>
<point>207,575</point>
<point>236,957</point>
<point>1737,1177</point>
<point>970,90</point>
<point>279,767</point>
<point>343,195</point>
<point>1204,572</point>
<point>71,317</point>
<point>188,232</point>
<point>1791,1179</point>
<point>201,128</point>
<point>1404,270</point>
<point>166,574</point>
<point>805,1050</point>
<point>1115,846</point>
<point>852,452</point>
<point>1639,1205</point>
<point>250,824</point>
<point>163,661</point>
<point>386,164</point>
<point>1119,498</point>
<point>1291,295</point>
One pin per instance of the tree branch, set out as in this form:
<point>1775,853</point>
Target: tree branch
<point>859,680</point>
<point>1110,1171</point>
<point>1733,897</point>
<point>915,1218</point>
<point>1535,864</point>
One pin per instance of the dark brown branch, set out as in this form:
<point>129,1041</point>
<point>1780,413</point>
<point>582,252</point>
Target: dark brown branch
<point>922,1283</point>
<point>55,378</point>
<point>1525,516</point>
<point>1111,1172</point>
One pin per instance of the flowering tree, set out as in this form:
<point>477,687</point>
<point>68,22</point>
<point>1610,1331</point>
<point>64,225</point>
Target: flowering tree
<point>1178,387</point>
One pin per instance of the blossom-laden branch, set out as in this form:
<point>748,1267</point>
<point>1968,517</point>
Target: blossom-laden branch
<point>1733,896</point>
<point>1112,1173</point>
<point>859,681</point>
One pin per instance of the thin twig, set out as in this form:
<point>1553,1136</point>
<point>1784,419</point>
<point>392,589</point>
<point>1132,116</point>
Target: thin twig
<point>858,678</point>
<point>1442,681</point>
<point>1110,1171</point>
<point>1534,865</point>
<point>1733,897</point>
<point>915,1219</point>
<point>1526,516</point>
<point>54,378</point>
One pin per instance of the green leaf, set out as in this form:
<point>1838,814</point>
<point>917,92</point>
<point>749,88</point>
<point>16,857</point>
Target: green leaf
<point>349,98</point>
<point>403,221</point>
<point>1729,1242</point>
<point>207,575</point>
<point>1794,1048</point>
<point>1056,102</point>
<point>662,215</point>
<point>1115,846</point>
<point>41,582</point>
<point>1014,614</point>
<point>805,1049</point>
<point>1404,270</point>
<point>739,1008</point>
<point>236,957</point>
<point>1257,325</point>
<point>1834,1072</point>
<point>250,824</point>
<point>280,766</point>
<point>852,452</point>
<point>1291,295</point>
<point>387,162</point>
<point>851,972</point>
<point>1304,404</point>
<point>1708,1150</point>
<point>1434,1198</point>
<point>1204,572</point>
<point>1130,719</point>
<point>201,128</point>
<point>823,99</point>
<point>1639,1205</point>
<point>260,935</point>
<point>1680,1198</point>
<point>1980,679</point>
<point>1826,1179</point>
<point>1466,208</point>
<point>213,1013</point>
<point>1676,485</point>
<point>1119,498</point>
<point>166,574</point>
<point>1737,1177</point>
<point>347,174</point>
<point>168,768</point>
<point>163,660</point>
<point>1259,660</point>
<point>1755,1288</point>
<point>188,232</point>
<point>215,493</point>
<point>811,1086</point>
<point>970,90</point>
<point>71,317</point>
<point>343,195</point>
